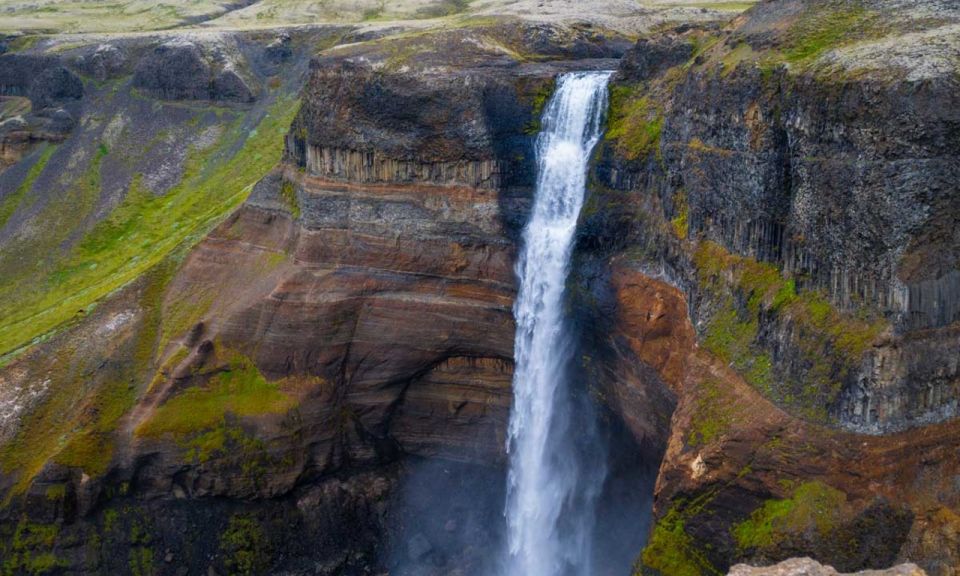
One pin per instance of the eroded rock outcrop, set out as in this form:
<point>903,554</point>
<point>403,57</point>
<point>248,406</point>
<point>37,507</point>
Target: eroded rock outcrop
<point>180,69</point>
<point>353,315</point>
<point>786,205</point>
<point>764,272</point>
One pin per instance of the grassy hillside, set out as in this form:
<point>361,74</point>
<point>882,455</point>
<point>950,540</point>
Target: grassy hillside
<point>73,16</point>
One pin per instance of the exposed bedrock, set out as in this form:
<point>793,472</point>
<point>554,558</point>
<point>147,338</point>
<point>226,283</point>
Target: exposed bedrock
<point>179,69</point>
<point>42,79</point>
<point>351,319</point>
<point>808,567</point>
<point>842,184</point>
<point>794,210</point>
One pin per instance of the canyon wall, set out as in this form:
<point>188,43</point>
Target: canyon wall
<point>241,319</point>
<point>275,385</point>
<point>783,192</point>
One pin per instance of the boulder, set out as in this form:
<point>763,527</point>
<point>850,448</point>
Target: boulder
<point>808,567</point>
<point>54,85</point>
<point>175,70</point>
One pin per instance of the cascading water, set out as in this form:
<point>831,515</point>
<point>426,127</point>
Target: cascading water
<point>550,490</point>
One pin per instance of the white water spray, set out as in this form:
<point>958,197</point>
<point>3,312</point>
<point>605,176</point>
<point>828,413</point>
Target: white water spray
<point>550,494</point>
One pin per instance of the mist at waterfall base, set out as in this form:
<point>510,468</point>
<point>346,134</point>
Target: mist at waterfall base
<point>577,497</point>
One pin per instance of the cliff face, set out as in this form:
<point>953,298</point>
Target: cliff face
<point>794,186</point>
<point>352,317</point>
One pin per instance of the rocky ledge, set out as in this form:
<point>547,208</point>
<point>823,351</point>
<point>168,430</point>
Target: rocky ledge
<point>808,567</point>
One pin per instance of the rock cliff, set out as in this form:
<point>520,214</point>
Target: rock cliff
<point>777,187</point>
<point>351,318</point>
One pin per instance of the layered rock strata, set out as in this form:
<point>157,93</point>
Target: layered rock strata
<point>780,191</point>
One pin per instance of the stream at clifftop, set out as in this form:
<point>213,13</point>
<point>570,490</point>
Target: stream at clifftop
<point>551,490</point>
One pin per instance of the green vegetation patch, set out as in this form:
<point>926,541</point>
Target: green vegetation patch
<point>138,234</point>
<point>29,550</point>
<point>812,508</point>
<point>75,424</point>
<point>822,29</point>
<point>712,416</point>
<point>239,390</point>
<point>9,205</point>
<point>540,100</point>
<point>681,222</point>
<point>671,551</point>
<point>288,194</point>
<point>244,546</point>
<point>830,343</point>
<point>634,122</point>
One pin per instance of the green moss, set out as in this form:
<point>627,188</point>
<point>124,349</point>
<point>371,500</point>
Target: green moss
<point>141,561</point>
<point>244,546</point>
<point>30,549</point>
<point>672,552</point>
<point>729,338</point>
<point>56,491</point>
<point>712,416</point>
<point>110,517</point>
<point>634,123</point>
<point>10,204</point>
<point>540,100</point>
<point>812,508</point>
<point>289,196</point>
<point>743,52</point>
<point>240,390</point>
<point>22,43</point>
<point>222,440</point>
<point>829,342</point>
<point>76,423</point>
<point>681,222</point>
<point>183,313</point>
<point>138,234</point>
<point>823,29</point>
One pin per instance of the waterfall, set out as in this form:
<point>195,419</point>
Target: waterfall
<point>550,489</point>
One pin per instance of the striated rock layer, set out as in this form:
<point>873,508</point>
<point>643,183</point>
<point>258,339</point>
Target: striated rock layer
<point>276,384</point>
<point>769,202</point>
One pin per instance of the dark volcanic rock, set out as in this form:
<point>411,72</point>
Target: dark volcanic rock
<point>801,209</point>
<point>279,50</point>
<point>106,61</point>
<point>41,78</point>
<point>53,85</point>
<point>17,72</point>
<point>229,86</point>
<point>181,70</point>
<point>176,70</point>
<point>651,56</point>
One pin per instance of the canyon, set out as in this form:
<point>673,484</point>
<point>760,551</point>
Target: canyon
<point>258,287</point>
